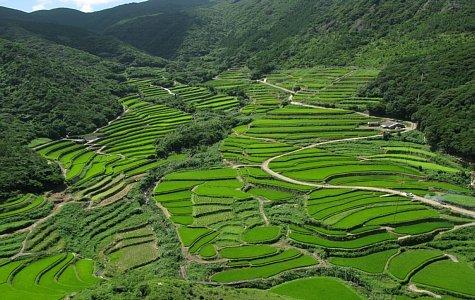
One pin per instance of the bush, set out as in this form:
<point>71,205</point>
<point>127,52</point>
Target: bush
<point>205,129</point>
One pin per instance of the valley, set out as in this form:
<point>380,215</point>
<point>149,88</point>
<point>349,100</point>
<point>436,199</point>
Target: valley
<point>237,149</point>
<point>307,190</point>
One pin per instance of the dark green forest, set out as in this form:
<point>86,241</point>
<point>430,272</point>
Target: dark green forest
<point>438,92</point>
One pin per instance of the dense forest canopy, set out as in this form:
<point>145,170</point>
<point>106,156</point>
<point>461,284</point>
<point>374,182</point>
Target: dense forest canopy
<point>438,92</point>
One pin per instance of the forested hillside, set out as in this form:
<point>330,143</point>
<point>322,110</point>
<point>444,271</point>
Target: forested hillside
<point>436,90</point>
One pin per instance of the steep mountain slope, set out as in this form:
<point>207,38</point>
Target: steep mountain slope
<point>435,90</point>
<point>302,32</point>
<point>47,90</point>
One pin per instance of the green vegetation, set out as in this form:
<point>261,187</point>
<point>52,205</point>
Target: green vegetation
<point>258,235</point>
<point>405,263</point>
<point>246,165</point>
<point>458,280</point>
<point>204,130</point>
<point>47,278</point>
<point>434,90</point>
<point>316,288</point>
<point>372,263</point>
<point>265,271</point>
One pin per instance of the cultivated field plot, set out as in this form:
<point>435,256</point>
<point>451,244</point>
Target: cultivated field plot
<point>52,277</point>
<point>203,98</point>
<point>134,135</point>
<point>148,91</point>
<point>95,175</point>
<point>231,79</point>
<point>372,163</point>
<point>263,99</point>
<point>325,287</point>
<point>350,210</point>
<point>299,125</point>
<point>446,275</point>
<point>216,219</point>
<point>20,212</point>
<point>327,86</point>
<point>246,150</point>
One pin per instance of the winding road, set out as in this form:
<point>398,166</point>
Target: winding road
<point>412,126</point>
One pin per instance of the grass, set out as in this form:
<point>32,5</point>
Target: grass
<point>248,252</point>
<point>373,263</point>
<point>449,276</point>
<point>134,256</point>
<point>252,273</point>
<point>462,200</point>
<point>189,235</point>
<point>270,194</point>
<point>51,277</point>
<point>316,288</point>
<point>403,264</point>
<point>423,227</point>
<point>265,234</point>
<point>342,244</point>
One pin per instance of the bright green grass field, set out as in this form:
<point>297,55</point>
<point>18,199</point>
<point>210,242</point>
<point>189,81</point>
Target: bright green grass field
<point>314,288</point>
<point>247,252</point>
<point>264,271</point>
<point>402,265</point>
<point>448,275</point>
<point>262,234</point>
<point>468,201</point>
<point>372,263</point>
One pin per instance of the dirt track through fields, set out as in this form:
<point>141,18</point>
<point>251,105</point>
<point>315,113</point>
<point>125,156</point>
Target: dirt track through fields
<point>412,126</point>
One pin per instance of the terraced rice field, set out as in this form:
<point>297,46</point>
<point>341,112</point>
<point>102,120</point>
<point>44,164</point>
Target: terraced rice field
<point>148,91</point>
<point>22,211</point>
<point>105,168</point>
<point>458,279</point>
<point>231,79</point>
<point>248,226</point>
<point>246,150</point>
<point>374,263</point>
<point>299,125</point>
<point>51,277</point>
<point>327,86</point>
<point>403,265</point>
<point>215,218</point>
<point>320,287</point>
<point>202,98</point>
<point>349,210</point>
<point>263,99</point>
<point>134,135</point>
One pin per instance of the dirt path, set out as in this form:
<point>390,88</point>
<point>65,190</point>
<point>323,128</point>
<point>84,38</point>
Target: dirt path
<point>56,210</point>
<point>322,107</point>
<point>264,81</point>
<point>168,91</point>
<point>265,167</point>
<point>262,211</point>
<point>452,257</point>
<point>183,273</point>
<point>163,209</point>
<point>413,288</point>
